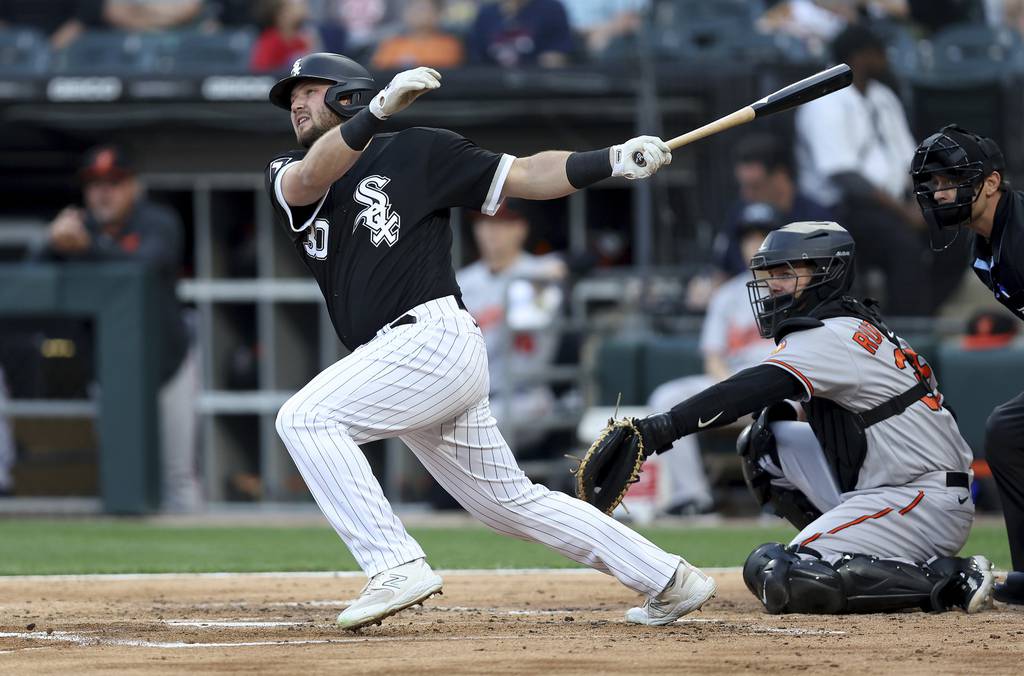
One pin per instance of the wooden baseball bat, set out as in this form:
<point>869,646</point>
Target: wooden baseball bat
<point>798,93</point>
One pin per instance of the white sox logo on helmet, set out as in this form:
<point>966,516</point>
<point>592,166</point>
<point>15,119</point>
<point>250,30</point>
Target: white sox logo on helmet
<point>382,222</point>
<point>296,67</point>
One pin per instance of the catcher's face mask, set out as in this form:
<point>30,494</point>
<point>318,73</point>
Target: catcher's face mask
<point>782,291</point>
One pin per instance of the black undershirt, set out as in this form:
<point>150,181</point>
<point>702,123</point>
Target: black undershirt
<point>745,392</point>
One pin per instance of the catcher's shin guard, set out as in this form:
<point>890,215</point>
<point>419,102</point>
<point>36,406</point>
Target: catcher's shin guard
<point>787,583</point>
<point>757,441</point>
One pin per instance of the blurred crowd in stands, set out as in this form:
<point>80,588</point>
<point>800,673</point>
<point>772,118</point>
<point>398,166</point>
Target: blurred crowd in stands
<point>396,34</point>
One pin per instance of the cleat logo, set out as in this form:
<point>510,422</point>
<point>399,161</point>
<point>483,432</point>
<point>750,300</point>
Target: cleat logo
<point>394,581</point>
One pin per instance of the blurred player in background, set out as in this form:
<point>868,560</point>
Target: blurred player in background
<point>119,224</point>
<point>958,179</point>
<point>515,297</point>
<point>730,342</point>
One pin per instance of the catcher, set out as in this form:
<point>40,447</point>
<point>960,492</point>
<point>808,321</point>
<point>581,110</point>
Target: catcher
<point>877,480</point>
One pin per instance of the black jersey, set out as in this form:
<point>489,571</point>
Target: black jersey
<point>379,242</point>
<point>999,260</point>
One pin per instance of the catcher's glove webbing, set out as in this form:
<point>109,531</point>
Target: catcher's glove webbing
<point>611,464</point>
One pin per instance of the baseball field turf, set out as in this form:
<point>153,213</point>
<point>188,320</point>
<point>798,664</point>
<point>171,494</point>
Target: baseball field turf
<point>39,547</point>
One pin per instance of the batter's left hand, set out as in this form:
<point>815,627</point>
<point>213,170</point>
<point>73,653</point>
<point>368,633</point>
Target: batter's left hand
<point>405,88</point>
<point>640,157</point>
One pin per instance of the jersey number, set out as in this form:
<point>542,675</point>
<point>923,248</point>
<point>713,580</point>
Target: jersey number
<point>316,239</point>
<point>902,357</point>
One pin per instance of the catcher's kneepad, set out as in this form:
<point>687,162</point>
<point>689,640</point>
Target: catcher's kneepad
<point>786,583</point>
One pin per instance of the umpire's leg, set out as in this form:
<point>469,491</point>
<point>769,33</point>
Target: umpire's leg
<point>1004,450</point>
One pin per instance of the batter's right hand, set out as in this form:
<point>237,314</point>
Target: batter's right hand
<point>405,88</point>
<point>640,157</point>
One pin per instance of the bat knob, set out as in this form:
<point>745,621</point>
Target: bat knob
<point>638,159</point>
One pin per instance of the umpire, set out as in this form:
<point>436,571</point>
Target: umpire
<point>958,180</point>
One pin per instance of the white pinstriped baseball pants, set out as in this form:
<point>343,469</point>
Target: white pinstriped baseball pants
<point>427,383</point>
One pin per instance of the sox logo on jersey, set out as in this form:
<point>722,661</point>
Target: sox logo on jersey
<point>378,216</point>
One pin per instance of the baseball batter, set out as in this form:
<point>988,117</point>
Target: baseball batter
<point>369,215</point>
<point>877,479</point>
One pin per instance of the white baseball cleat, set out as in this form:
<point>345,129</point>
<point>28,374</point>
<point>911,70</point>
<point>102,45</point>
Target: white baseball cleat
<point>390,591</point>
<point>687,591</point>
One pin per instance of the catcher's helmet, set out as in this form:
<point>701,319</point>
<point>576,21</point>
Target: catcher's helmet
<point>347,77</point>
<point>952,158</point>
<point>824,244</point>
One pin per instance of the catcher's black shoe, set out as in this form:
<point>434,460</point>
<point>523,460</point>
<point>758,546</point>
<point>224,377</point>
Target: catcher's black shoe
<point>1010,590</point>
<point>972,586</point>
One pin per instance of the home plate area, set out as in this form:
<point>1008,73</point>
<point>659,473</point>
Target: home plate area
<point>570,621</point>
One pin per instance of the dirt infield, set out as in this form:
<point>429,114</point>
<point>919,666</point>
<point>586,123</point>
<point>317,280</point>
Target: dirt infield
<point>533,622</point>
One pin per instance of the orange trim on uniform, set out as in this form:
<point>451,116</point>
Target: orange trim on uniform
<point>810,539</point>
<point>861,519</point>
<point>795,371</point>
<point>914,503</point>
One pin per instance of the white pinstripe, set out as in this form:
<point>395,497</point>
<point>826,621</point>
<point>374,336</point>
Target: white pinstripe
<point>427,383</point>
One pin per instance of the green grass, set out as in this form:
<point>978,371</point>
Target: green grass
<point>72,546</point>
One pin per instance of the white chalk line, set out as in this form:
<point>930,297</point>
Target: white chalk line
<point>452,572</point>
<point>79,639</point>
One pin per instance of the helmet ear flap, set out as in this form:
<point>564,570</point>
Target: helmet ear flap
<point>359,99</point>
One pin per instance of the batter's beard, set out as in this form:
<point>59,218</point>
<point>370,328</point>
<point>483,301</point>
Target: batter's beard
<point>319,127</point>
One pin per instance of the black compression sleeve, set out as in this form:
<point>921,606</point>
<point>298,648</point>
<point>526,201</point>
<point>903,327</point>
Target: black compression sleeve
<point>745,392</point>
<point>357,131</point>
<point>587,168</point>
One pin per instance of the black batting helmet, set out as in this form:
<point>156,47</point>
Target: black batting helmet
<point>827,246</point>
<point>347,77</point>
<point>952,158</point>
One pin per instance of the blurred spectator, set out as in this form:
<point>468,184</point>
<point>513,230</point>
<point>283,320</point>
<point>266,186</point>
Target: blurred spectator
<point>421,42</point>
<point>151,15</point>
<point>285,35</point>
<point>353,27</point>
<point>730,342</point>
<point>853,150</point>
<point>764,171</point>
<point>603,23</point>
<point>934,15</point>
<point>61,20</point>
<point>521,33</point>
<point>514,296</point>
<point>814,23</point>
<point>119,224</point>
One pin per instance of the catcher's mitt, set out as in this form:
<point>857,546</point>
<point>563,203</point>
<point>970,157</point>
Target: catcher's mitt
<point>611,464</point>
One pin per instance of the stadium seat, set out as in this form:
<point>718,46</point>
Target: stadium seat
<point>617,370</point>
<point>970,52</point>
<point>194,53</point>
<point>974,382</point>
<point>23,52</point>
<point>105,53</point>
<point>666,358</point>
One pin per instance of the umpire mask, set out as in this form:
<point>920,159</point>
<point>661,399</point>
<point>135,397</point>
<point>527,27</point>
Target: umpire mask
<point>953,159</point>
